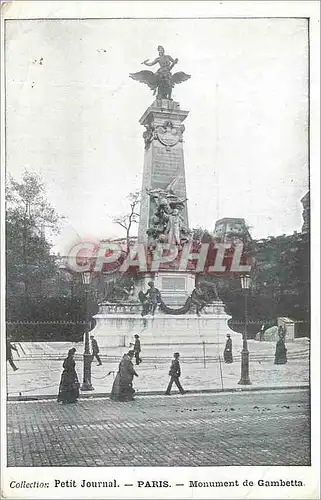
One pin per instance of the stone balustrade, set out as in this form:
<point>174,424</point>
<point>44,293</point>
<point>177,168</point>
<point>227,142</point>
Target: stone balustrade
<point>133,308</point>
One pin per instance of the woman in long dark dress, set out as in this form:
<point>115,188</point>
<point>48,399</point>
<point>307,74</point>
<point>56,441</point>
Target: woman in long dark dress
<point>228,355</point>
<point>122,389</point>
<point>69,383</point>
<point>280,357</point>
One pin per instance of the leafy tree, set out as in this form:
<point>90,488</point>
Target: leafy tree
<point>280,282</point>
<point>41,304</point>
<point>35,300</point>
<point>28,215</point>
<point>281,276</point>
<point>202,235</point>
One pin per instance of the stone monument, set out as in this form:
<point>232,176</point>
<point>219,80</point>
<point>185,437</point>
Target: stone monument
<point>169,308</point>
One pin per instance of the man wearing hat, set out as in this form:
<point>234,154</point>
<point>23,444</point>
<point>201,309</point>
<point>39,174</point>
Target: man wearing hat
<point>95,350</point>
<point>175,373</point>
<point>137,349</point>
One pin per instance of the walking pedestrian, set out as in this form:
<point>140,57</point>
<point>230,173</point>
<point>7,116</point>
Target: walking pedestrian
<point>69,383</point>
<point>95,350</point>
<point>228,354</point>
<point>175,373</point>
<point>137,349</point>
<point>262,333</point>
<point>9,356</point>
<point>122,389</point>
<point>280,357</point>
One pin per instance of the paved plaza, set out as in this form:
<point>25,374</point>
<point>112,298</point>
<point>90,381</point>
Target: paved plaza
<point>247,428</point>
<point>40,366</point>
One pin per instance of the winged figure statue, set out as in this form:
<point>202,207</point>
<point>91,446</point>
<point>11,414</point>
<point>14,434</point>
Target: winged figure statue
<point>161,82</point>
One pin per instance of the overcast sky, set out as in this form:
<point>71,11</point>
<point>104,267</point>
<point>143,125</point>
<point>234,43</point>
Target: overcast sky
<point>74,117</point>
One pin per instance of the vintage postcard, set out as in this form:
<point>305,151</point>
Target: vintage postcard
<point>160,250</point>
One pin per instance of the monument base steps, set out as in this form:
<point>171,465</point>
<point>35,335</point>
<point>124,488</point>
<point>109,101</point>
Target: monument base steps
<point>117,330</point>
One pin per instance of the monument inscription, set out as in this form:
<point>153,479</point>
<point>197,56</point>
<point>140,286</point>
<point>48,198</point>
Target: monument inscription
<point>173,283</point>
<point>167,166</point>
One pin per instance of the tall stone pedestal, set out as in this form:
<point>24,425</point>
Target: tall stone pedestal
<point>116,324</point>
<point>163,219</point>
<point>164,158</point>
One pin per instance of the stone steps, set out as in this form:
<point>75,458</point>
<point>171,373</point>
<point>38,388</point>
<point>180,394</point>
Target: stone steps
<point>159,352</point>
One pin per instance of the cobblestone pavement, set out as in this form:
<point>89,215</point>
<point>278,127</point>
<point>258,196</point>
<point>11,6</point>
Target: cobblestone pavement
<point>265,428</point>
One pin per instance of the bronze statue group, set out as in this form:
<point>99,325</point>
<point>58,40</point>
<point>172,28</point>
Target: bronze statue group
<point>203,293</point>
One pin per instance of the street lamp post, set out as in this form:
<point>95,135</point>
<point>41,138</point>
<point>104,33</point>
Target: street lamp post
<point>86,384</point>
<point>245,378</point>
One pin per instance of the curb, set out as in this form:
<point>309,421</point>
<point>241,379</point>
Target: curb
<point>91,395</point>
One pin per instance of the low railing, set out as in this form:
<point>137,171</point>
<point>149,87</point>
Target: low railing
<point>216,307</point>
<point>148,357</point>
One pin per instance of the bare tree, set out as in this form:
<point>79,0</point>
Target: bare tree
<point>132,217</point>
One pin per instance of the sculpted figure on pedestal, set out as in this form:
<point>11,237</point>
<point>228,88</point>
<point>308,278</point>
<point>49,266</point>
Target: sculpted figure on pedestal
<point>120,291</point>
<point>148,135</point>
<point>167,225</point>
<point>173,229</point>
<point>203,293</point>
<point>150,299</point>
<point>161,82</point>
<point>198,298</point>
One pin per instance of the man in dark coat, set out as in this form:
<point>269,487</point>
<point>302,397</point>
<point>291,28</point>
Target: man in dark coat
<point>95,350</point>
<point>137,349</point>
<point>9,357</point>
<point>175,373</point>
